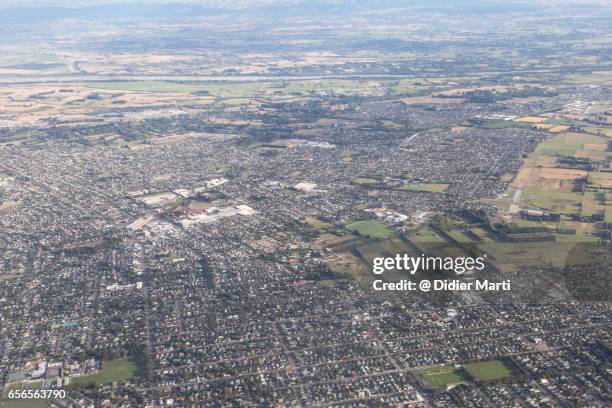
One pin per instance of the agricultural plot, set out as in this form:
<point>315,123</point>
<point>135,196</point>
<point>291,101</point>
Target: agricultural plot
<point>461,236</point>
<point>600,180</point>
<point>508,256</point>
<point>608,213</point>
<point>561,177</point>
<point>558,129</point>
<point>531,119</point>
<point>566,144</point>
<point>226,90</point>
<point>598,131</point>
<point>561,202</point>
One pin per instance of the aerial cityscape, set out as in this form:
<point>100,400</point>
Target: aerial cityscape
<point>328,203</point>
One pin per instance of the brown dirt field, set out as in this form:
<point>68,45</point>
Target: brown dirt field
<point>599,147</point>
<point>590,206</point>
<point>552,179</point>
<point>331,239</point>
<point>591,154</point>
<point>564,186</point>
<point>345,263</point>
<point>562,174</point>
<point>524,176</point>
<point>531,119</point>
<point>558,129</point>
<point>198,205</point>
<point>580,227</point>
<point>601,179</point>
<point>542,161</point>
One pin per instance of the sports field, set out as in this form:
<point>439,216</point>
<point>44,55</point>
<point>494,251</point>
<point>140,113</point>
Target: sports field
<point>441,376</point>
<point>488,370</point>
<point>370,228</point>
<point>112,370</point>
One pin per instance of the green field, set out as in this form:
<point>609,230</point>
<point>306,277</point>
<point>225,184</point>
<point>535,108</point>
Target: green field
<point>600,179</point>
<point>426,187</point>
<point>370,228</point>
<point>556,201</point>
<point>242,89</point>
<point>608,213</point>
<point>113,370</point>
<point>565,144</point>
<point>504,124</point>
<point>441,376</point>
<point>318,224</point>
<point>387,248</point>
<point>425,235</point>
<point>488,370</point>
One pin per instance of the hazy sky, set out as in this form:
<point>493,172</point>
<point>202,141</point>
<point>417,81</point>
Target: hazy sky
<point>246,3</point>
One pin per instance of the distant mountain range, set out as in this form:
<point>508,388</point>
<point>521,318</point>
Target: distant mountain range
<point>112,10</point>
